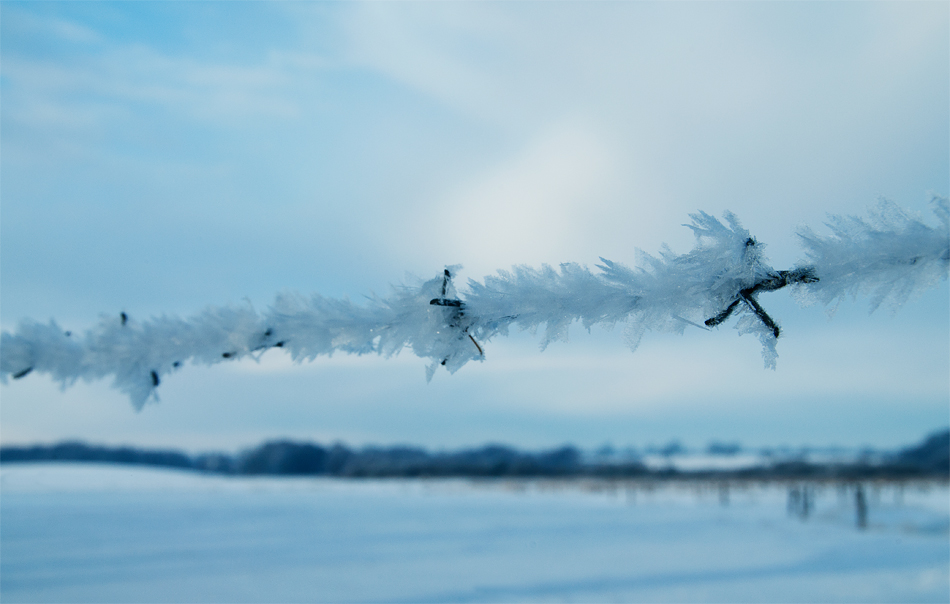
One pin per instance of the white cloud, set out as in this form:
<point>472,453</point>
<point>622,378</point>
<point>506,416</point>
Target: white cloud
<point>530,208</point>
<point>782,110</point>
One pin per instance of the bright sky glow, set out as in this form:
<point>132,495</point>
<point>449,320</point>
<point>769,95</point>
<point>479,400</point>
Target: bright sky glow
<point>162,157</point>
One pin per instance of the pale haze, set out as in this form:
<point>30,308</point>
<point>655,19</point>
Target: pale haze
<point>158,158</point>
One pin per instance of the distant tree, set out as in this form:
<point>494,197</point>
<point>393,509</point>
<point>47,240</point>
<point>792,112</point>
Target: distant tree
<point>284,457</point>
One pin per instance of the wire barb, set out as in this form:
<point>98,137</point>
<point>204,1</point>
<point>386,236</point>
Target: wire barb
<point>772,282</point>
<point>454,320</point>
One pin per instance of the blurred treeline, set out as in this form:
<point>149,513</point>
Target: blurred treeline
<point>930,458</point>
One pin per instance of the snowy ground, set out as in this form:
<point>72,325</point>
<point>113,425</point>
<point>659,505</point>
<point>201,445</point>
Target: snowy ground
<point>94,533</point>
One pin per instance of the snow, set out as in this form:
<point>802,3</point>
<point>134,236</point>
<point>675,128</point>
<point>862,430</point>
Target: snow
<point>694,463</point>
<point>99,533</point>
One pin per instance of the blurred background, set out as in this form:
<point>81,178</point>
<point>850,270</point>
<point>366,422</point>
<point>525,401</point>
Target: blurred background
<point>161,157</point>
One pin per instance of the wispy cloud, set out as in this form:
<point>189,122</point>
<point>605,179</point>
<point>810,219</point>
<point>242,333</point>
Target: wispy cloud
<point>210,92</point>
<point>26,23</point>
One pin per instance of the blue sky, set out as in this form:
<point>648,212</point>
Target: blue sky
<point>162,157</point>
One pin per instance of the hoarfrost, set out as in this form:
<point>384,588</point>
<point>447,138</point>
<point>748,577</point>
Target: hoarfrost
<point>890,256</point>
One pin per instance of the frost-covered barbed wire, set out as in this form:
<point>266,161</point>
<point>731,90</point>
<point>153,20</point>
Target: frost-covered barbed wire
<point>891,255</point>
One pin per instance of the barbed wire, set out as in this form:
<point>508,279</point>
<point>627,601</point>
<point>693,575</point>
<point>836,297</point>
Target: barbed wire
<point>890,255</point>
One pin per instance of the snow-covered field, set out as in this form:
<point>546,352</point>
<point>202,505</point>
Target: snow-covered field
<point>96,533</point>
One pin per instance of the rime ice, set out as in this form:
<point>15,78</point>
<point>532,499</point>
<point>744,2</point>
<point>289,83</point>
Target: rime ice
<point>889,256</point>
